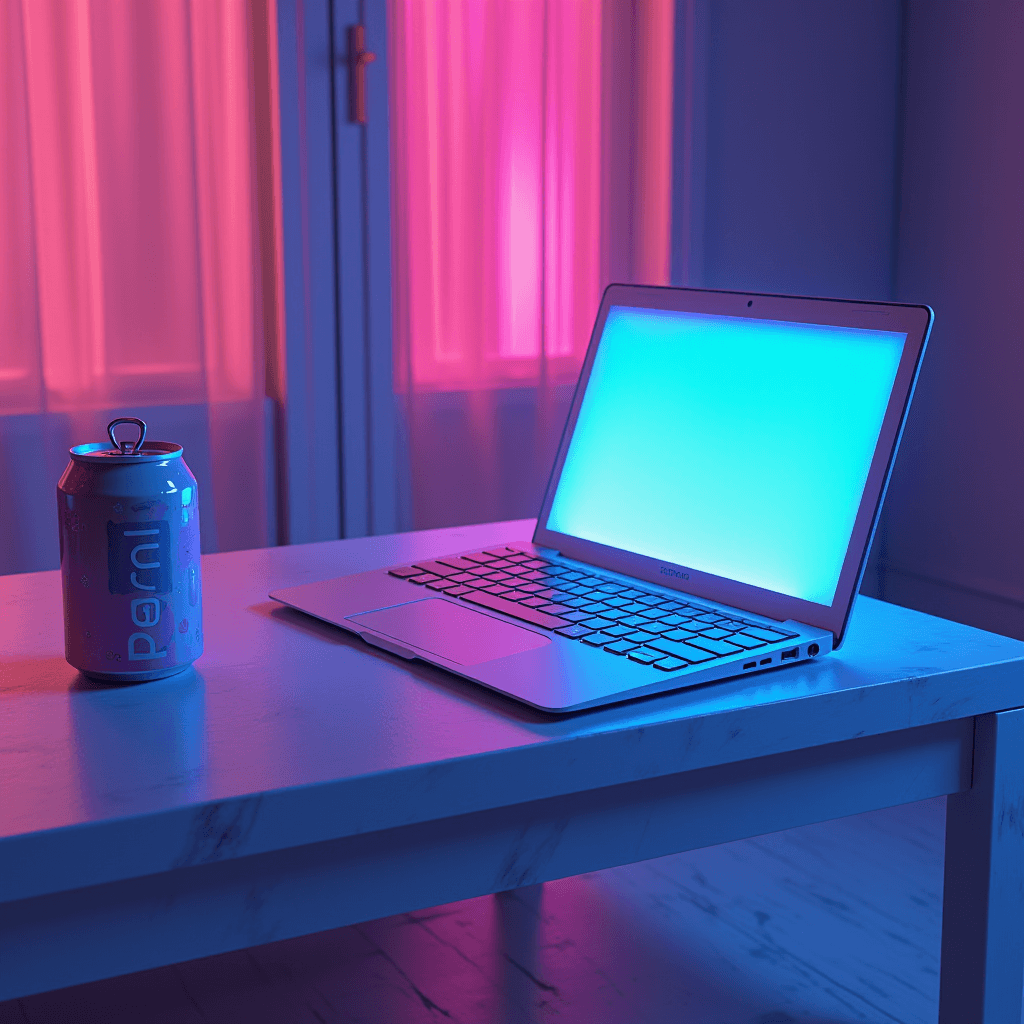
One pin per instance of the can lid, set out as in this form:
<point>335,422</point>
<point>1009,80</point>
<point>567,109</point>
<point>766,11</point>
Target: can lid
<point>125,452</point>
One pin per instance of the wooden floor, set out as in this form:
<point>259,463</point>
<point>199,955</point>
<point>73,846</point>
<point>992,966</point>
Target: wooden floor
<point>826,924</point>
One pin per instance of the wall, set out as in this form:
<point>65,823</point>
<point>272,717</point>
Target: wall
<point>874,150</point>
<point>955,543</point>
<point>802,105</point>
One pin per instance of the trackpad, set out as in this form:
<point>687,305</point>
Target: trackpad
<point>451,631</point>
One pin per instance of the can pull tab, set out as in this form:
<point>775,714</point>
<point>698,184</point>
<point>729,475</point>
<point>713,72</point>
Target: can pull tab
<point>127,447</point>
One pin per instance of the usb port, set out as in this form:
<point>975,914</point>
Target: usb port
<point>751,664</point>
<point>766,661</point>
<point>791,653</point>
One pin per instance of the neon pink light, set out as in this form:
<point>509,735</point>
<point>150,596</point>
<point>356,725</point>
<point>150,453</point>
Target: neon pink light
<point>510,140</point>
<point>128,138</point>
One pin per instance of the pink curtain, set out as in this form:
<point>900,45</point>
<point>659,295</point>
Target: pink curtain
<point>531,144</point>
<point>134,270</point>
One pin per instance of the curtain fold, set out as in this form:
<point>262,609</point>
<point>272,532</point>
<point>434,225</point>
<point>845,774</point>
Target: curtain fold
<point>531,147</point>
<point>132,268</point>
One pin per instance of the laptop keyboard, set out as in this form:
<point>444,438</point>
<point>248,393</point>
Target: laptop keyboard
<point>650,629</point>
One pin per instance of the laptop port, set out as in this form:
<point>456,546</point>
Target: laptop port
<point>813,649</point>
<point>793,653</point>
<point>766,661</point>
<point>751,664</point>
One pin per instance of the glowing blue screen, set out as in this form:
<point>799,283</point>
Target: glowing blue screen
<point>728,445</point>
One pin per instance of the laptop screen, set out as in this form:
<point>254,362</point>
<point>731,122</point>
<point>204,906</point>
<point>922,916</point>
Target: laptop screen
<point>734,446</point>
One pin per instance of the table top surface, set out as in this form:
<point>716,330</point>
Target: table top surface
<point>289,731</point>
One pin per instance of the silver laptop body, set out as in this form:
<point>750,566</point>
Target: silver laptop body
<point>708,515</point>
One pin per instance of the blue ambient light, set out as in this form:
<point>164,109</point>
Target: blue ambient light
<point>728,445</point>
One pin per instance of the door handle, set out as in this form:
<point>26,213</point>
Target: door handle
<point>358,58</point>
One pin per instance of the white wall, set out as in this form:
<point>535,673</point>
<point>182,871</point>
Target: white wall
<point>955,524</point>
<point>876,150</point>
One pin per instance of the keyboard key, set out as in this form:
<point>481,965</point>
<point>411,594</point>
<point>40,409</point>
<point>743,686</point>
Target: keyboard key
<point>546,580</point>
<point>537,602</point>
<point>403,572</point>
<point>766,634</point>
<point>672,620</point>
<point>480,558</point>
<point>530,588</point>
<point>556,609</point>
<point>503,577</point>
<point>634,620</point>
<point>598,623</point>
<point>535,563</point>
<point>441,585</point>
<point>555,570</point>
<point>498,589</point>
<point>645,656</point>
<point>533,575</point>
<point>657,627</point>
<point>670,664</point>
<point>677,650</point>
<point>503,563</point>
<point>573,632</point>
<point>518,558</point>
<point>707,617</point>
<point>457,562</point>
<point>720,647</point>
<point>634,608</point>
<point>437,568</point>
<point>620,647</point>
<point>462,577</point>
<point>595,608</point>
<point>575,616</point>
<point>516,595</point>
<point>650,599</point>
<point>516,570</point>
<point>458,591</point>
<point>426,577</point>
<point>615,602</point>
<point>614,613</point>
<point>679,635</point>
<point>598,639</point>
<point>748,643</point>
<point>517,611</point>
<point>619,631</point>
<point>500,552</point>
<point>715,633</point>
<point>640,636</point>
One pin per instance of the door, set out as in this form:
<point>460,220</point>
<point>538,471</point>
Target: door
<point>335,429</point>
<point>369,471</point>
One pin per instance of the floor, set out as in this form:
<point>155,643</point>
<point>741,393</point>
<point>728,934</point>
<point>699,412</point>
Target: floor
<point>826,924</point>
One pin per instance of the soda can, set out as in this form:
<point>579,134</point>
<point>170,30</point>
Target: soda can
<point>128,515</point>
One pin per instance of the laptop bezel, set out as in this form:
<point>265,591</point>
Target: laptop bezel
<point>913,320</point>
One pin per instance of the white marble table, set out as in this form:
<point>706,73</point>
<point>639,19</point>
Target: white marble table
<point>296,780</point>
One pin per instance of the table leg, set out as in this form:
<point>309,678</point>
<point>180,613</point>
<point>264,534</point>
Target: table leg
<point>982,971</point>
<point>518,912</point>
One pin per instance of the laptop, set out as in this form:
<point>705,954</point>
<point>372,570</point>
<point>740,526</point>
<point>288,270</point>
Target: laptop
<point>708,515</point>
